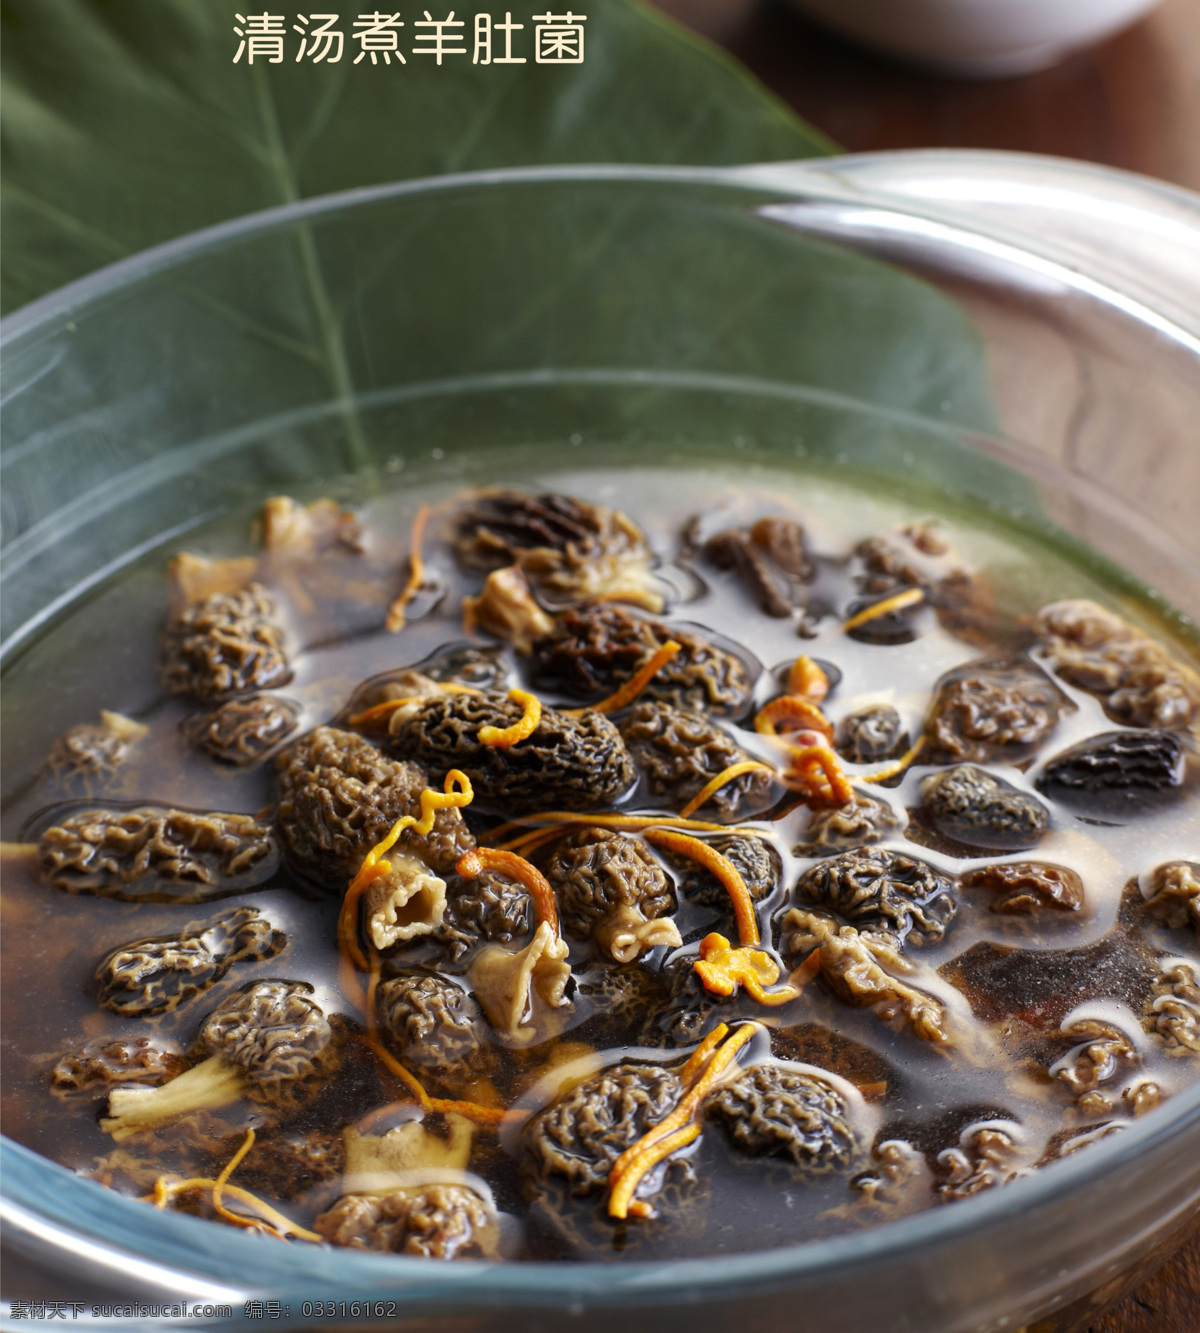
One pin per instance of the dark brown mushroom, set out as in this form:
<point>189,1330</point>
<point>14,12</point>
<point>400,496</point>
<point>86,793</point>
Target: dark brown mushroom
<point>242,731</point>
<point>137,853</point>
<point>568,763</point>
<point>679,752</point>
<point>155,976</point>
<point>339,795</point>
<point>611,889</point>
<point>596,649</point>
<point>1136,679</point>
<point>226,644</point>
<point>772,1110</point>
<point>426,1221</point>
<point>580,1136</point>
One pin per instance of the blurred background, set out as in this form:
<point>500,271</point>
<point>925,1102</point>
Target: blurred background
<point>1131,100</point>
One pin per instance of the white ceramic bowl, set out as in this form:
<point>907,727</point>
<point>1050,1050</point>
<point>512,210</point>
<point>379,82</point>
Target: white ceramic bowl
<point>978,38</point>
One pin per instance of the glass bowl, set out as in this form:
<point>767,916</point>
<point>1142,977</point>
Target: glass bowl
<point>1050,372</point>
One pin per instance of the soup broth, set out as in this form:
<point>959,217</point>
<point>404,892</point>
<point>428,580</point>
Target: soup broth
<point>773,857</point>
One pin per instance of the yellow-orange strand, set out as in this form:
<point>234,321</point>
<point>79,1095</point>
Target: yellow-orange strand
<point>520,730</point>
<point>223,1178</point>
<point>719,866</point>
<point>475,862</point>
<point>532,842</point>
<point>803,762</point>
<point>791,708</point>
<point>631,1167</point>
<point>808,970</point>
<point>269,1219</point>
<point>395,620</point>
<point>485,1116</point>
<point>897,766</point>
<point>457,793</point>
<point>722,969</point>
<point>695,1061</point>
<point>624,823</point>
<point>726,775</point>
<point>621,1202</point>
<point>635,684</point>
<point>808,680</point>
<point>899,601</point>
<point>385,709</point>
<point>389,706</point>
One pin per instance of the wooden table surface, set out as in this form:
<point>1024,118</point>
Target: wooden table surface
<point>1131,102</point>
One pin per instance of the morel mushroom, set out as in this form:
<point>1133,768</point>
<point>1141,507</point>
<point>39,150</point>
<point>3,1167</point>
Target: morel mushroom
<point>278,1035</point>
<point>339,795</point>
<point>270,1041</point>
<point>621,996</point>
<point>679,752</point>
<point>883,891</point>
<point>488,909</point>
<point>971,806</point>
<point>864,821</point>
<point>736,551</point>
<point>429,1222</point>
<point>919,557</point>
<point>567,763</point>
<point>108,1062</point>
<point>772,1110</point>
<point>569,550</point>
<point>852,964</point>
<point>1138,682</point>
<point>155,976</point>
<point>431,1021</point>
<point>611,889</point>
<point>226,644</point>
<point>136,854</point>
<point>580,1136</point>
<point>871,735</point>
<point>596,649</point>
<point>1118,773</point>
<point>242,731</point>
<point>1172,1011</point>
<point>93,750</point>
<point>1175,896</point>
<point>1028,887</point>
<point>1102,1052</point>
<point>991,713</point>
<point>294,1165</point>
<point>987,1156</point>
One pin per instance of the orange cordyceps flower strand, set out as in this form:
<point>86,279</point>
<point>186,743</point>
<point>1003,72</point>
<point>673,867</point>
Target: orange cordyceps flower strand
<point>635,684</point>
<point>515,867</point>
<point>520,730</point>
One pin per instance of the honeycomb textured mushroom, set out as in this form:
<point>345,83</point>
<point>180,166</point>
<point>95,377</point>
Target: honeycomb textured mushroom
<point>596,649</point>
<point>339,795</point>
<point>122,853</point>
<point>155,976</point>
<point>611,889</point>
<point>568,763</point>
<point>226,644</point>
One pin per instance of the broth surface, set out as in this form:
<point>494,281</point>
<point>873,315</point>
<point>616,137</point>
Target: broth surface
<point>931,1121</point>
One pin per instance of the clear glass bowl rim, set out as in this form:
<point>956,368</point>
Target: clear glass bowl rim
<point>260,1262</point>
